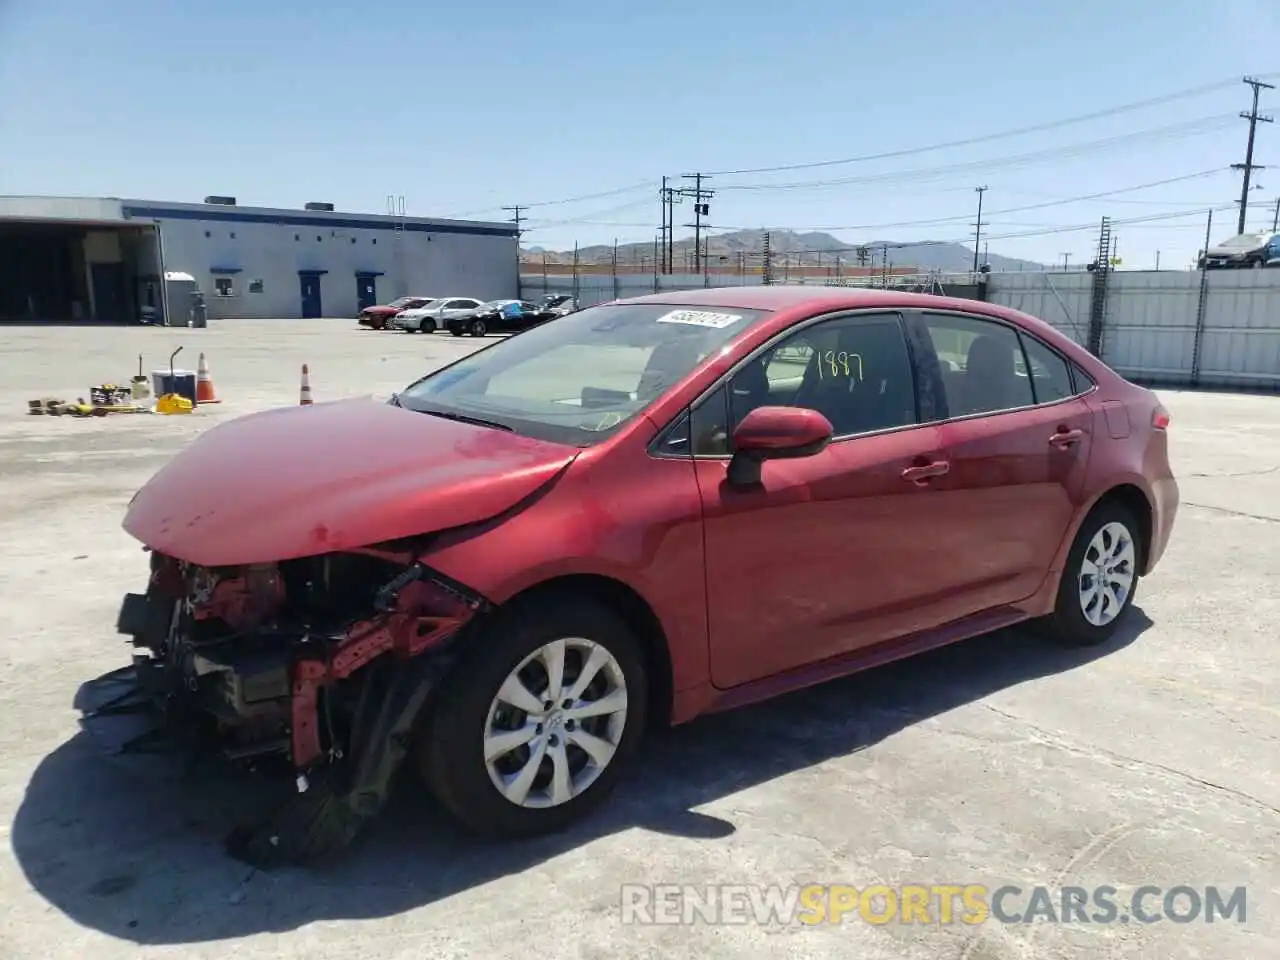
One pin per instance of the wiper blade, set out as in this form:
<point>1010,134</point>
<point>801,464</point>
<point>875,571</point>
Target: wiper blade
<point>475,421</point>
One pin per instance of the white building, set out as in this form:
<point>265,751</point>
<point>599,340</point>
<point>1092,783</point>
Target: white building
<point>67,258</point>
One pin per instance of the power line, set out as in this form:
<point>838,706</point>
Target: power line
<point>942,221</point>
<point>1182,128</point>
<point>600,195</point>
<point>987,138</point>
<point>1249,166</point>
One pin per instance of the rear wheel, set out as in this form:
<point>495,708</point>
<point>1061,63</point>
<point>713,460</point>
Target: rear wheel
<point>456,331</point>
<point>534,728</point>
<point>428,325</point>
<point>478,328</point>
<point>1100,578</point>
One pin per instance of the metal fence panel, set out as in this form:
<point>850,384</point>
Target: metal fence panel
<point>1149,330</point>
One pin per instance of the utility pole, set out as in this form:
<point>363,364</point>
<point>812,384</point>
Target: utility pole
<point>516,218</point>
<point>1275,220</point>
<point>766,268</point>
<point>1157,261</point>
<point>701,208</point>
<point>1249,166</point>
<point>1066,258</point>
<point>977,227</point>
<point>668,195</point>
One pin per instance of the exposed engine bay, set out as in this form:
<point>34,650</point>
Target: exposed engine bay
<point>317,666</point>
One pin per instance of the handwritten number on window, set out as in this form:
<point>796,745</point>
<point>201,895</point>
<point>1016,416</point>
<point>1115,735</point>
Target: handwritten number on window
<point>837,364</point>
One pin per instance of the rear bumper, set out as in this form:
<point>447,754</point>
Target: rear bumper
<point>1166,498</point>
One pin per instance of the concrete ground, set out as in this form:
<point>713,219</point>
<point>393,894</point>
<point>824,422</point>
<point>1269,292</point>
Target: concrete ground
<point>1000,761</point>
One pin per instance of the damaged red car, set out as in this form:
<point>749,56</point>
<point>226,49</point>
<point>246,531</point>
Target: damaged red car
<point>649,510</point>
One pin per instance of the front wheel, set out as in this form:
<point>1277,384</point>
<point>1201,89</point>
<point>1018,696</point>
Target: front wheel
<point>428,325</point>
<point>1100,578</point>
<point>478,328</point>
<point>535,727</point>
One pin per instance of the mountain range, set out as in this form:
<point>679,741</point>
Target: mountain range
<point>801,249</point>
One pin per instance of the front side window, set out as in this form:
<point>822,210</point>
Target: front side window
<point>854,370</point>
<point>582,378</point>
<point>983,370</point>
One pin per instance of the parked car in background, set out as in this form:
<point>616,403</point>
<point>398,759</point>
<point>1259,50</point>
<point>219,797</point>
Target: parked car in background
<point>376,318</point>
<point>523,560</point>
<point>497,315</point>
<point>431,316</point>
<point>557,305</point>
<point>1245,250</point>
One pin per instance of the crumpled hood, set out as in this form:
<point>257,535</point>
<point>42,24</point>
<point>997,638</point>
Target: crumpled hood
<point>302,481</point>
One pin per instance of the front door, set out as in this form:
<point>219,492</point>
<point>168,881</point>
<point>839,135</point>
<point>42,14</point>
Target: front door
<point>1018,442</point>
<point>366,292</point>
<point>312,307</point>
<point>833,552</point>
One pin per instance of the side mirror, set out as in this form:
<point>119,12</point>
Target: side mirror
<point>775,433</point>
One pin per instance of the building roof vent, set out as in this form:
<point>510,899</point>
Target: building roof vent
<point>319,207</point>
<point>221,201</point>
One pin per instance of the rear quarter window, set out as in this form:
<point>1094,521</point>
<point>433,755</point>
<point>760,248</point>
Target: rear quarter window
<point>1050,373</point>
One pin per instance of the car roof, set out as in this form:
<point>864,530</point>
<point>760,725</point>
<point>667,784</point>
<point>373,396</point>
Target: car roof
<point>796,297</point>
<point>789,303</point>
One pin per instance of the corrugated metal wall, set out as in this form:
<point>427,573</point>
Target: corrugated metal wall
<point>1149,330</point>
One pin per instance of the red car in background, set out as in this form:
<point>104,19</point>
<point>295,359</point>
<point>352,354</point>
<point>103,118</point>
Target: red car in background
<point>648,510</point>
<point>377,318</point>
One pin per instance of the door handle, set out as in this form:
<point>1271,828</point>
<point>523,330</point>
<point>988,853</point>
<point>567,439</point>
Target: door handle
<point>923,473</point>
<point>1066,438</point>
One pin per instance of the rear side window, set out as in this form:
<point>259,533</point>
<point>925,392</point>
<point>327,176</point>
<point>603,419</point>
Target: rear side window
<point>1050,375</point>
<point>982,365</point>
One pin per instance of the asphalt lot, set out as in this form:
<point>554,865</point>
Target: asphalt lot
<point>999,761</point>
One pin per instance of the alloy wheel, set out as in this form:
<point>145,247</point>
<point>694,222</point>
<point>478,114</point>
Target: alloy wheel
<point>1107,574</point>
<point>555,723</point>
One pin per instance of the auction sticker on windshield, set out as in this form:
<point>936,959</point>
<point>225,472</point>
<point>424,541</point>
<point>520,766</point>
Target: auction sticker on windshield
<point>701,318</point>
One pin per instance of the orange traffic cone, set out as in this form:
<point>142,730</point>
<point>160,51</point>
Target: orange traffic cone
<point>304,396</point>
<point>204,384</point>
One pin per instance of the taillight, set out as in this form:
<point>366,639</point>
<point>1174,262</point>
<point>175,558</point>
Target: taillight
<point>1160,418</point>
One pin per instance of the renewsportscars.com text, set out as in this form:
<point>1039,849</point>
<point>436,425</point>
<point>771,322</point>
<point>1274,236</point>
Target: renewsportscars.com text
<point>928,904</point>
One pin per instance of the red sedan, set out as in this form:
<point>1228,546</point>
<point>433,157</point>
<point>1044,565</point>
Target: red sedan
<point>377,317</point>
<point>646,511</point>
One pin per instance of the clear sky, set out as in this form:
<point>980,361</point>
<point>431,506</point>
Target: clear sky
<point>463,108</point>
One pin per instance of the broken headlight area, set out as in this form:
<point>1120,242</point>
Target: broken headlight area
<point>313,665</point>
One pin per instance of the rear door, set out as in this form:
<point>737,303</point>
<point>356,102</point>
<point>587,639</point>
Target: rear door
<point>832,552</point>
<point>1017,438</point>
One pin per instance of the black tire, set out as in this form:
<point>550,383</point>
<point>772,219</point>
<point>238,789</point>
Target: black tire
<point>1067,624</point>
<point>478,328</point>
<point>428,325</point>
<point>449,748</point>
<point>456,331</point>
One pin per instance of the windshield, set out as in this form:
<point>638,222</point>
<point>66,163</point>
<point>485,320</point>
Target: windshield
<point>402,302</point>
<point>582,378</point>
<point>1246,241</point>
<point>428,304</point>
